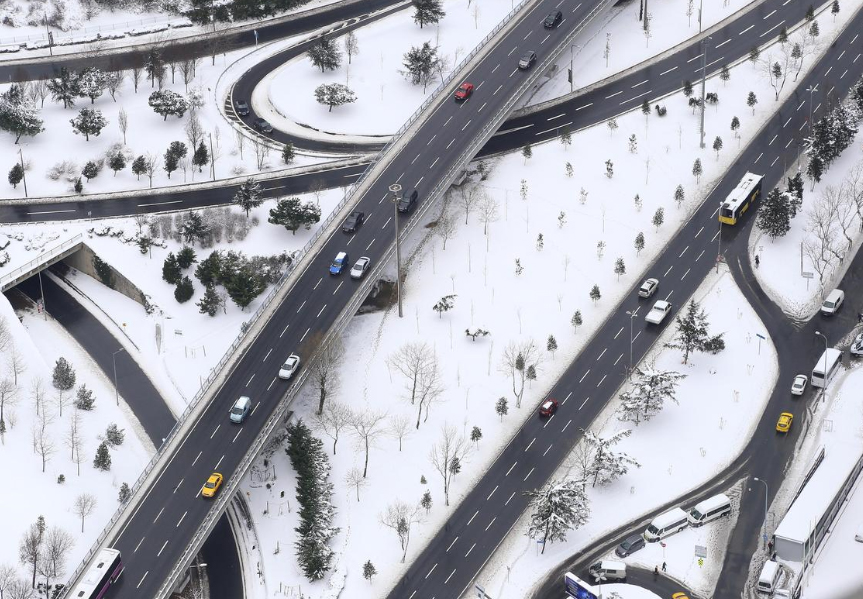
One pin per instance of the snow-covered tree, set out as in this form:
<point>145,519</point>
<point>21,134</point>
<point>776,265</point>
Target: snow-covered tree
<point>501,407</point>
<point>288,153</point>
<point>292,214</point>
<point>171,272</point>
<point>751,101</point>
<point>693,335</point>
<point>595,294</point>
<point>201,156</point>
<point>445,304</point>
<point>633,144</point>
<point>428,11</point>
<point>245,285</point>
<point>184,290</point>
<point>102,461</point>
<point>19,115</point>
<point>833,133</point>
<point>84,399</point>
<point>717,146</point>
<point>89,122</point>
<point>576,320</point>
<point>650,390</point>
<point>527,153</point>
<point>619,267</point>
<point>566,138</point>
<point>421,64</point>
<point>248,196</point>
<point>65,87</point>
<point>639,243</point>
<point>557,508</point>
<point>724,74</point>
<point>63,376</point>
<point>607,465</point>
<point>91,83</point>
<point>551,345</point>
<point>90,170</point>
<point>697,170</point>
<point>211,302</point>
<point>124,494</point>
<point>351,45</point>
<point>117,162</point>
<point>774,214</point>
<point>475,436</point>
<point>795,194</point>
<point>735,126</point>
<point>165,103</point>
<point>325,55</point>
<point>334,94</point>
<point>369,570</point>
<point>609,168</point>
<point>400,516</point>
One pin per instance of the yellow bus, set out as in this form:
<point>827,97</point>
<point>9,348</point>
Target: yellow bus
<point>740,199</point>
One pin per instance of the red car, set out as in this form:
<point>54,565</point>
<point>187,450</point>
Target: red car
<point>548,407</point>
<point>464,91</point>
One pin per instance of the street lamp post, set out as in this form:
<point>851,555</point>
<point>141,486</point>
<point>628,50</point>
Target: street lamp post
<point>826,377</point>
<point>703,83</point>
<point>114,361</point>
<point>811,89</point>
<point>719,240</point>
<point>395,188</point>
<point>766,492</point>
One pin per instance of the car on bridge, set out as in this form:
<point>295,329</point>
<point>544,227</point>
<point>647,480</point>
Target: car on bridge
<point>648,288</point>
<point>361,267</point>
<point>354,222</point>
<point>241,107</point>
<point>783,425</point>
<point>408,201</point>
<point>799,384</point>
<point>553,20</point>
<point>211,487</point>
<point>262,125</point>
<point>463,92</point>
<point>548,407</point>
<point>658,312</point>
<point>527,60</point>
<point>339,263</point>
<point>291,365</point>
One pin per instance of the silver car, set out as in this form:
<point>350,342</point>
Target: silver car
<point>291,365</point>
<point>359,269</point>
<point>527,60</point>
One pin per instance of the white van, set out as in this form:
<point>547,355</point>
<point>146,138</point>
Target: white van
<point>709,509</point>
<point>608,571</point>
<point>672,521</point>
<point>833,302</point>
<point>769,578</point>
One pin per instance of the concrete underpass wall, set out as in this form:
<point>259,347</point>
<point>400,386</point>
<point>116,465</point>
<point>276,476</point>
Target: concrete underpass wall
<point>83,261</point>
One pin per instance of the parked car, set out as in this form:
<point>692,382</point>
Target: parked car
<point>339,263</point>
<point>857,346</point>
<point>527,60</point>
<point>783,425</point>
<point>354,222</point>
<point>241,107</point>
<point>291,365</point>
<point>211,487</point>
<point>464,91</point>
<point>833,302</point>
<point>360,267</point>
<point>262,125</point>
<point>799,384</point>
<point>648,288</point>
<point>548,407</point>
<point>630,545</point>
<point>658,312</point>
<point>553,20</point>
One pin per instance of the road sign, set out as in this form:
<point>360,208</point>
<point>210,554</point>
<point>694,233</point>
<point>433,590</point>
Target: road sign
<point>807,275</point>
<point>700,551</point>
<point>700,561</point>
<point>760,336</point>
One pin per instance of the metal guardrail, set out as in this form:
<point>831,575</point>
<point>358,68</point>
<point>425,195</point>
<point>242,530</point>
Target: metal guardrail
<point>41,259</point>
<point>20,39</point>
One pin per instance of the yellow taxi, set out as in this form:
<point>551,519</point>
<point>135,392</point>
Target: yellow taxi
<point>783,425</point>
<point>212,485</point>
<point>679,596</point>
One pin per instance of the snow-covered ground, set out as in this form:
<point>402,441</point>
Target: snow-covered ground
<point>39,343</point>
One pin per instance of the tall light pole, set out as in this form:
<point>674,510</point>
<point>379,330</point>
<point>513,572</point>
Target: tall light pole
<point>766,492</point>
<point>826,377</point>
<point>631,318</point>
<point>395,188</point>
<point>811,89</point>
<point>703,83</point>
<point>114,361</point>
<point>700,11</point>
<point>719,240</point>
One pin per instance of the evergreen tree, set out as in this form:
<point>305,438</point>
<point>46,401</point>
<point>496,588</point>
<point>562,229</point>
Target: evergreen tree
<point>186,257</point>
<point>244,286</point>
<point>115,435</point>
<point>420,64</point>
<point>173,154</point>
<point>369,569</point>
<point>102,460</point>
<point>639,243</point>
<point>84,399</point>
<point>334,94</point>
<point>165,103</point>
<point>693,335</point>
<point>117,162</point>
<point>19,115</point>
<point>658,217</point>
<point>815,169</point>
<point>210,303</point>
<point>194,228</point>
<point>566,138</point>
<point>527,152</point>
<point>288,153</point>
<point>139,166</point>
<point>475,436</point>
<point>445,304</point>
<point>687,88</point>
<point>88,122</point>
<point>201,156</point>
<point>606,465</point>
<point>774,214</point>
<point>650,390</point>
<point>184,290</point>
<point>814,30</point>
<point>795,192</point>
<point>64,87</point>
<point>735,126</point>
<point>292,214</point>
<point>125,493</point>
<point>16,174</point>
<point>78,187</point>
<point>751,101</point>
<point>724,73</point>
<point>717,145</point>
<point>209,271</point>
<point>697,170</point>
<point>679,195</point>
<point>427,11</point>
<point>619,267</point>
<point>63,376</point>
<point>595,295</point>
<point>91,83</point>
<point>550,345</point>
<point>325,55</point>
<point>557,508</point>
<point>501,407</point>
<point>171,270</point>
<point>248,196</point>
<point>576,320</point>
<point>90,170</point>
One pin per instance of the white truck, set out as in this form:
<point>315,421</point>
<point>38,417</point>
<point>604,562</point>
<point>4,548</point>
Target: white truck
<point>658,312</point>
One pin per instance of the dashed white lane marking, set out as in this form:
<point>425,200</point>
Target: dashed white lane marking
<point>162,549</point>
<point>237,435</point>
<point>336,290</point>
<point>448,577</point>
<point>510,498</point>
<point>472,517</point>
<point>528,475</point>
<point>529,444</point>
<point>510,468</point>
<point>180,521</point>
<point>139,544</point>
<point>142,579</point>
<point>746,30</point>
<point>584,375</point>
<point>283,330</point>
<point>268,355</point>
<point>451,544</point>
<point>602,354</point>
<point>601,380</point>
<point>250,379</point>
<point>432,570</point>
<point>196,459</point>
<point>722,44</point>
<point>159,514</point>
<point>490,523</point>
<point>304,334</point>
<point>581,406</point>
<point>668,71</point>
<point>585,106</point>
<point>490,494</point>
<point>301,306</point>
<point>272,382</point>
<point>218,426</point>
<point>469,550</point>
<point>566,425</point>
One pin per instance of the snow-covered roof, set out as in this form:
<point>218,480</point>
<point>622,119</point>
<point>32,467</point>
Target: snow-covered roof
<point>810,505</point>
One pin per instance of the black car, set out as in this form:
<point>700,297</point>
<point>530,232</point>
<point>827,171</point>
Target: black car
<point>263,126</point>
<point>630,545</point>
<point>353,222</point>
<point>408,201</point>
<point>242,107</point>
<point>553,20</point>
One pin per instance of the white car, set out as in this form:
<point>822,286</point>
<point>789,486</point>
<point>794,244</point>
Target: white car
<point>291,365</point>
<point>857,346</point>
<point>658,312</point>
<point>799,385</point>
<point>359,269</point>
<point>648,288</point>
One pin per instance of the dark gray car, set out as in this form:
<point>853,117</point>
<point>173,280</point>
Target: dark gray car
<point>527,60</point>
<point>630,545</point>
<point>242,107</point>
<point>263,126</point>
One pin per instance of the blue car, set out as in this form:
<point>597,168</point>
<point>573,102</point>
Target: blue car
<point>339,264</point>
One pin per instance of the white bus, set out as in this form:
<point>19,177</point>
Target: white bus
<point>826,367</point>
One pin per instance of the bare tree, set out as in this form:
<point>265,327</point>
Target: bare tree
<point>38,90</point>
<point>446,456</point>
<point>325,371</point>
<point>19,589</point>
<point>194,131</point>
<point>5,334</point>
<point>73,440</point>
<point>123,123</point>
<point>52,562</point>
<point>113,82</point>
<point>410,360</point>
<point>354,478</point>
<point>488,210</point>
<point>151,165</point>
<point>468,196</point>
<point>317,187</point>
<point>241,141</point>
<point>352,46</point>
<point>400,517</point>
<point>367,427</point>
<point>445,227</point>
<point>7,578</point>
<point>62,400</point>
<point>15,364</point>
<point>853,185</point>
<point>400,428</point>
<point>821,245</point>
<point>334,418</point>
<point>429,388</point>
<point>262,150</point>
<point>37,393</point>
<point>8,395</point>
<point>30,546</point>
<point>517,359</point>
<point>41,439</point>
<point>581,459</point>
<point>187,70</point>
<point>135,75</point>
<point>83,507</point>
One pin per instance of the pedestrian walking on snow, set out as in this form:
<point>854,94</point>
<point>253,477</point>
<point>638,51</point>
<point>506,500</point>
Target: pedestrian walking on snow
<point>663,566</point>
